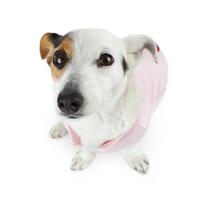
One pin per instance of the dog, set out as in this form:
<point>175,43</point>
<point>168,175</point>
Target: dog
<point>105,90</point>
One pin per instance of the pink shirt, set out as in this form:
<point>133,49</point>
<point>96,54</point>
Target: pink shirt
<point>151,78</point>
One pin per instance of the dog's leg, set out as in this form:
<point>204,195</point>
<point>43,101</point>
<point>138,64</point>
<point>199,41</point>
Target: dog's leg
<point>58,130</point>
<point>136,159</point>
<point>82,159</point>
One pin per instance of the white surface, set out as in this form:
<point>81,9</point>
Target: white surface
<point>33,166</point>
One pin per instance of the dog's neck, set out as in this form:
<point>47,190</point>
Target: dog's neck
<point>122,112</point>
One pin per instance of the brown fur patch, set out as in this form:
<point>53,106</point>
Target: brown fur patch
<point>45,45</point>
<point>47,51</point>
<point>67,46</point>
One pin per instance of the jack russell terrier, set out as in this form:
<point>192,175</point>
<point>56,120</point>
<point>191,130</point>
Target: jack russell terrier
<point>105,91</point>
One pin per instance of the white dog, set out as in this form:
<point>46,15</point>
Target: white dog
<point>105,91</point>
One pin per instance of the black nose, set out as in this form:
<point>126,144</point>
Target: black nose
<point>69,102</point>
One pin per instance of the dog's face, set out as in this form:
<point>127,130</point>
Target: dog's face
<point>89,68</point>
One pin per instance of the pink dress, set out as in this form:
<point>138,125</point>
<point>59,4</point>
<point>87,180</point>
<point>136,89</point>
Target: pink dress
<point>151,79</point>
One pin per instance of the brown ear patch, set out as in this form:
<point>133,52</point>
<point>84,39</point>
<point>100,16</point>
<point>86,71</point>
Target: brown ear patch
<point>45,45</point>
<point>52,42</point>
<point>48,42</point>
<point>67,45</point>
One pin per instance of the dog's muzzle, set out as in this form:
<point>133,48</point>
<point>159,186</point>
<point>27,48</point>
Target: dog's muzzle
<point>70,102</point>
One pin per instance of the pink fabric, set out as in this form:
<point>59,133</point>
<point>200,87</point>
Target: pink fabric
<point>76,139</point>
<point>152,80</point>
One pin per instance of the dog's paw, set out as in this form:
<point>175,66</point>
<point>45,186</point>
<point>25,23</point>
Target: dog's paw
<point>82,160</point>
<point>137,161</point>
<point>139,164</point>
<point>58,130</point>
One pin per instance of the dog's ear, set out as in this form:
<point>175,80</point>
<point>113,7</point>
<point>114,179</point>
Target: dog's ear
<point>48,42</point>
<point>134,46</point>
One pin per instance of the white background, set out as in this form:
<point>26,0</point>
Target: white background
<point>34,166</point>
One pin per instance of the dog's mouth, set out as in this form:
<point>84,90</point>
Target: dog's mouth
<point>71,116</point>
<point>74,116</point>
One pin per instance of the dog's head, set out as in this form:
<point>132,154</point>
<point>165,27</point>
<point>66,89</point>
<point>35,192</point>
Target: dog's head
<point>90,68</point>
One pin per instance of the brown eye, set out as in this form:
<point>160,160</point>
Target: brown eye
<point>60,59</point>
<point>105,60</point>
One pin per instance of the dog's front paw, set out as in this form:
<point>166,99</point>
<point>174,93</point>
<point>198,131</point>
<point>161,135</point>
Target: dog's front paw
<point>139,164</point>
<point>58,130</point>
<point>137,161</point>
<point>82,160</point>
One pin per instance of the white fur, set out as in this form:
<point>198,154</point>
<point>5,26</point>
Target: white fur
<point>58,130</point>
<point>111,97</point>
<point>82,159</point>
<point>136,159</point>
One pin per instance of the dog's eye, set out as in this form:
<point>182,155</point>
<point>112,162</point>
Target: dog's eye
<point>59,59</point>
<point>105,59</point>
